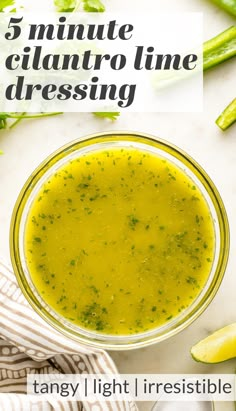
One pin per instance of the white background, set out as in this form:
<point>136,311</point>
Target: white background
<point>31,141</point>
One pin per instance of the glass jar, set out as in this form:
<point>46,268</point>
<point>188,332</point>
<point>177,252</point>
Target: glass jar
<point>105,141</point>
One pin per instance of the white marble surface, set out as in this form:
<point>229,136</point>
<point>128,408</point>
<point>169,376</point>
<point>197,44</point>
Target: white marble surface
<point>32,141</point>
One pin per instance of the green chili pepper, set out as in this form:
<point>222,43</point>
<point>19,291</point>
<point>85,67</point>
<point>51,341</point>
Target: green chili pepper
<point>215,51</point>
<point>228,5</point>
<point>220,48</point>
<point>228,116</point>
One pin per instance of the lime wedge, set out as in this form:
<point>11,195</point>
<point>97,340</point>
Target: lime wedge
<point>218,347</point>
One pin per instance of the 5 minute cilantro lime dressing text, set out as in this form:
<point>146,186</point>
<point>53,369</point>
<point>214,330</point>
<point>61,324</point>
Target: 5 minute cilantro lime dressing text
<point>89,60</point>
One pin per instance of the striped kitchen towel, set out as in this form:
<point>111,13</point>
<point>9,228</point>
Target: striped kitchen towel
<point>29,346</point>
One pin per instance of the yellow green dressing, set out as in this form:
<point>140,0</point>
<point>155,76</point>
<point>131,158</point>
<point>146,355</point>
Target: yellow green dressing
<point>119,241</point>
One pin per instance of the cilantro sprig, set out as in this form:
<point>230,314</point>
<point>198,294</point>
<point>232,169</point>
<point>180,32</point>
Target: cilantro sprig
<point>6,3</point>
<point>109,115</point>
<point>10,120</point>
<point>17,117</point>
<point>71,5</point>
<point>93,6</point>
<point>65,5</point>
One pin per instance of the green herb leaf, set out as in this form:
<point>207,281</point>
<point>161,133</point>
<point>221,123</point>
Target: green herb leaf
<point>93,6</point>
<point>88,5</point>
<point>111,116</point>
<point>65,5</point>
<point>6,3</point>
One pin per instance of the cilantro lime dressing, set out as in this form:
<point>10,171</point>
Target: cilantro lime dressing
<point>119,241</point>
